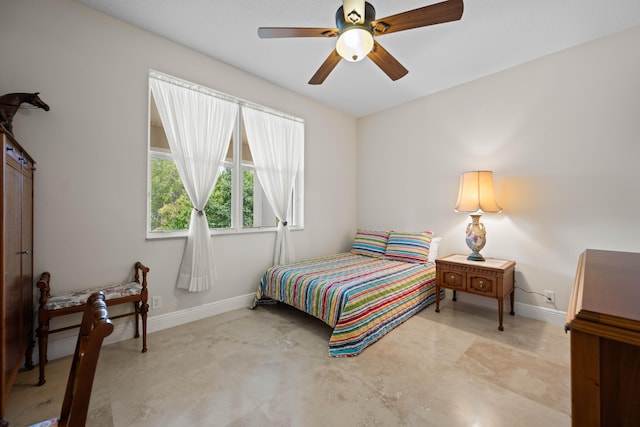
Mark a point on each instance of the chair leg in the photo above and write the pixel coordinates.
(43, 334)
(144, 308)
(28, 357)
(136, 307)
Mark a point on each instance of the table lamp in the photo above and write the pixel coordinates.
(476, 196)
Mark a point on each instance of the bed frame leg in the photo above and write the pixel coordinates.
(255, 303)
(262, 301)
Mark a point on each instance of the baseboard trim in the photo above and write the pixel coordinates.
(60, 345)
(548, 315)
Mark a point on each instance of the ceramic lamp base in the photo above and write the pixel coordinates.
(476, 238)
(475, 256)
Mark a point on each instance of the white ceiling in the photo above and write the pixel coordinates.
(491, 36)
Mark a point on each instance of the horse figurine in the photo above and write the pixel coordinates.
(10, 103)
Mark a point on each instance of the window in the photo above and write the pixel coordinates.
(237, 202)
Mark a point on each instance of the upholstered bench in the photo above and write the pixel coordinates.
(52, 306)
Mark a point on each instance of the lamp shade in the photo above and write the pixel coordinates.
(476, 193)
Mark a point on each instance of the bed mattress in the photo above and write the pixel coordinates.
(360, 297)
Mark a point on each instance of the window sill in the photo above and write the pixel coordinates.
(217, 232)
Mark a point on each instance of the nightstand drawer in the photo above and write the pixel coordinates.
(482, 285)
(453, 279)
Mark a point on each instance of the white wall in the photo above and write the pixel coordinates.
(562, 135)
(91, 152)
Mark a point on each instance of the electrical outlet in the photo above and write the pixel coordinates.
(156, 302)
(550, 297)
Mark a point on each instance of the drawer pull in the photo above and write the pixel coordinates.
(453, 278)
(481, 284)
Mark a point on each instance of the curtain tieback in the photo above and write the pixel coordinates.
(199, 212)
(284, 223)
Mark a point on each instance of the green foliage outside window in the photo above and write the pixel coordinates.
(171, 207)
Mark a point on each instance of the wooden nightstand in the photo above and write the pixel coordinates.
(493, 278)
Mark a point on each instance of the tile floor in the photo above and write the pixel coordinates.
(270, 367)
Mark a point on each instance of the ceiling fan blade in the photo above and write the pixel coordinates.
(278, 32)
(438, 13)
(387, 62)
(327, 66)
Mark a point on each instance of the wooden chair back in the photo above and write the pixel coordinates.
(95, 326)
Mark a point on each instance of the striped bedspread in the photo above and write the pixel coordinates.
(361, 298)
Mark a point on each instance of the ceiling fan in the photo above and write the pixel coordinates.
(356, 28)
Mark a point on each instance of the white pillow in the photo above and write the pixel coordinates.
(433, 248)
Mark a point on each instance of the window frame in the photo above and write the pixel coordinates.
(237, 166)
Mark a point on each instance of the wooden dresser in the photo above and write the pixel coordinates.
(604, 319)
(16, 298)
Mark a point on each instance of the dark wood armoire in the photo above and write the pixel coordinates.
(604, 319)
(16, 252)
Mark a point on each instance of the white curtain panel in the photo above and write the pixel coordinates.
(277, 147)
(198, 128)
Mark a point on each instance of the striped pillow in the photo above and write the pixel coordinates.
(370, 243)
(409, 247)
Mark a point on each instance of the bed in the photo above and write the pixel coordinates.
(386, 278)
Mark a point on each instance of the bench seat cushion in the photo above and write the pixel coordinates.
(79, 298)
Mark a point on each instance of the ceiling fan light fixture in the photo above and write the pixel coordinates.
(354, 43)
